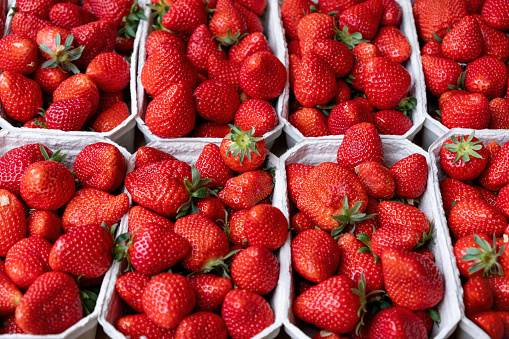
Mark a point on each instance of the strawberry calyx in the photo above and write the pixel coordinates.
(350, 40)
(464, 149)
(56, 156)
(159, 9)
(121, 247)
(132, 21)
(366, 240)
(485, 258)
(195, 189)
(406, 106)
(460, 84)
(243, 143)
(220, 267)
(426, 237)
(434, 315)
(229, 39)
(63, 55)
(363, 299)
(436, 37)
(349, 216)
(88, 297)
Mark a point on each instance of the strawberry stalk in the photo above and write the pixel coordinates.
(243, 143)
(350, 40)
(196, 190)
(220, 267)
(56, 156)
(363, 299)
(132, 21)
(349, 216)
(63, 55)
(464, 149)
(366, 240)
(486, 257)
(406, 106)
(426, 237)
(230, 39)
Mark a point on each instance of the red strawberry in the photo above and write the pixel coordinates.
(477, 296)
(50, 78)
(44, 224)
(291, 13)
(78, 86)
(377, 180)
(391, 213)
(433, 48)
(392, 43)
(130, 288)
(246, 190)
(68, 114)
(110, 72)
(68, 16)
(439, 73)
(93, 206)
(167, 299)
(253, 22)
(262, 76)
(491, 323)
(216, 100)
(171, 114)
(502, 202)
(139, 216)
(18, 54)
(392, 122)
(211, 165)
(327, 6)
(10, 325)
(246, 314)
(487, 75)
(363, 18)
(97, 37)
(225, 70)
(410, 175)
(435, 16)
(266, 226)
(111, 11)
(27, 24)
(394, 237)
(467, 111)
(412, 280)
(359, 137)
(499, 113)
(453, 191)
(210, 291)
(111, 118)
(393, 13)
(139, 326)
(239, 145)
(496, 13)
(200, 325)
(161, 39)
(256, 114)
(21, 97)
(345, 115)
(496, 43)
(296, 175)
(11, 295)
(475, 216)
(255, 269)
(227, 24)
(313, 27)
(256, 6)
(251, 44)
(464, 42)
(38, 8)
(499, 285)
(200, 46)
(397, 322)
(315, 83)
(51, 305)
(300, 223)
(336, 55)
(185, 16)
(147, 155)
(483, 263)
(498, 174)
(463, 159)
(310, 122)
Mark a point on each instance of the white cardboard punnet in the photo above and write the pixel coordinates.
(188, 151)
(314, 152)
(70, 145)
(271, 21)
(123, 134)
(417, 89)
(466, 328)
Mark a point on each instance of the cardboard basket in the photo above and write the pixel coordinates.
(113, 308)
(273, 30)
(417, 88)
(466, 328)
(123, 134)
(314, 152)
(70, 145)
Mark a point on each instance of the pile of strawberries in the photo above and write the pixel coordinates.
(362, 268)
(463, 58)
(56, 238)
(59, 62)
(202, 56)
(345, 64)
(475, 198)
(185, 253)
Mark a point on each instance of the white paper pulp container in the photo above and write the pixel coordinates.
(466, 328)
(417, 88)
(70, 145)
(122, 134)
(273, 30)
(315, 152)
(114, 308)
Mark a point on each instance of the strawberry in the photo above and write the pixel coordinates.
(160, 186)
(156, 248)
(502, 202)
(130, 288)
(106, 100)
(336, 55)
(464, 42)
(225, 70)
(467, 111)
(392, 122)
(463, 159)
(489, 196)
(92, 206)
(97, 37)
(363, 18)
(393, 13)
(412, 280)
(27, 260)
(410, 175)
(251, 44)
(111, 11)
(345, 115)
(391, 213)
(69, 16)
(477, 296)
(49, 78)
(78, 86)
(377, 179)
(313, 27)
(44, 224)
(310, 122)
(14, 163)
(11, 295)
(498, 171)
(447, 95)
(266, 226)
(208, 242)
(483, 263)
(68, 114)
(361, 143)
(394, 237)
(185, 16)
(111, 118)
(392, 43)
(238, 145)
(21, 97)
(110, 72)
(491, 323)
(27, 24)
(496, 43)
(496, 13)
(201, 324)
(161, 39)
(171, 114)
(211, 165)
(300, 223)
(253, 22)
(256, 114)
(18, 54)
(52, 48)
(315, 83)
(246, 190)
(386, 83)
(255, 269)
(499, 113)
(235, 228)
(139, 326)
(487, 75)
(200, 46)
(245, 314)
(433, 48)
(167, 299)
(210, 291)
(38, 8)
(147, 155)
(296, 176)
(216, 100)
(439, 73)
(340, 316)
(48, 184)
(10, 325)
(475, 216)
(499, 286)
(291, 13)
(435, 16)
(453, 191)
(50, 305)
(139, 216)
(397, 322)
(227, 24)
(262, 76)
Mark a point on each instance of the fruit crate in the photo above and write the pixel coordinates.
(273, 30)
(417, 89)
(113, 307)
(70, 145)
(467, 328)
(314, 152)
(122, 134)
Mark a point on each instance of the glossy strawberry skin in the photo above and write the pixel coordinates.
(464, 42)
(315, 83)
(296, 175)
(210, 291)
(78, 86)
(435, 16)
(201, 324)
(477, 296)
(216, 100)
(97, 37)
(200, 47)
(139, 216)
(491, 323)
(68, 16)
(18, 54)
(363, 17)
(466, 111)
(247, 164)
(310, 122)
(138, 326)
(462, 170)
(258, 114)
(460, 247)
(21, 97)
(185, 16)
(146, 155)
(440, 72)
(110, 72)
(45, 224)
(410, 175)
(13, 225)
(49, 78)
(453, 190)
(111, 118)
(130, 288)
(361, 143)
(68, 114)
(212, 166)
(162, 39)
(28, 24)
(291, 13)
(262, 76)
(11, 295)
(397, 322)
